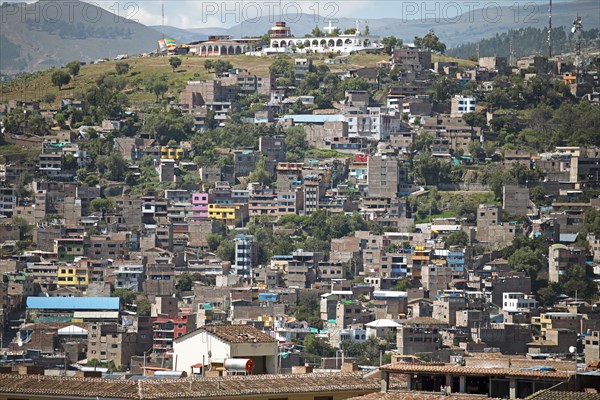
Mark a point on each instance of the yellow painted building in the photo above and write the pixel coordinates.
(73, 276)
(230, 214)
(171, 153)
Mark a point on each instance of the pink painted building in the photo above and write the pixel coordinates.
(200, 205)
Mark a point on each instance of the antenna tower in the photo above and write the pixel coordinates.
(576, 30)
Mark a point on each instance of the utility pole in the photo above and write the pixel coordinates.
(550, 31)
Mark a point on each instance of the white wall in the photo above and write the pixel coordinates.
(189, 350)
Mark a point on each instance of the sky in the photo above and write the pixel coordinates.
(202, 14)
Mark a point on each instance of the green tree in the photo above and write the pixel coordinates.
(389, 43)
(317, 32)
(226, 250)
(527, 260)
(73, 67)
(308, 309)
(357, 83)
(113, 166)
(102, 205)
(576, 282)
(474, 119)
(260, 173)
(221, 66)
(548, 296)
(458, 238)
(175, 62)
(143, 307)
(282, 66)
(23, 225)
(126, 296)
(315, 348)
(442, 89)
(157, 85)
(214, 240)
(208, 65)
(476, 150)
(49, 98)
(185, 282)
(429, 170)
(295, 141)
(172, 125)
(402, 285)
(60, 78)
(122, 68)
(430, 42)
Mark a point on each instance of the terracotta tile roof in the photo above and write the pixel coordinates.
(403, 395)
(61, 386)
(185, 388)
(239, 333)
(457, 370)
(556, 395)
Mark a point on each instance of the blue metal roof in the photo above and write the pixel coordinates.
(73, 303)
(568, 237)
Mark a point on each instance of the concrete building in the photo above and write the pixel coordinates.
(381, 328)
(558, 320)
(461, 105)
(436, 278)
(411, 58)
(213, 345)
(560, 257)
(445, 308)
(516, 302)
(129, 276)
(200, 205)
(515, 200)
(246, 254)
(419, 335)
(111, 342)
(385, 176)
(8, 201)
(592, 348)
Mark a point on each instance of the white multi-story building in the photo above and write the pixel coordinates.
(8, 200)
(129, 276)
(246, 254)
(375, 123)
(462, 105)
(517, 301)
(282, 41)
(285, 331)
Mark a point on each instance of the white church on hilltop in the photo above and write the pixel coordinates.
(282, 41)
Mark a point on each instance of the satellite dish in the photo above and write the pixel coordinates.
(572, 349)
(573, 29)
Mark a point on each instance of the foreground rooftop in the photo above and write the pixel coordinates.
(187, 388)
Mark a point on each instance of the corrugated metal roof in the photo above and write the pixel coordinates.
(73, 303)
(568, 237)
(96, 314)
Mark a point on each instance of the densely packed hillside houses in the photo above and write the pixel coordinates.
(340, 215)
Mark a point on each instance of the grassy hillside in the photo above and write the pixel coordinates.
(35, 86)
